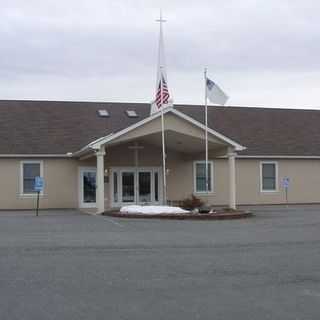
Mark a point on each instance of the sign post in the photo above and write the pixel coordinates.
(285, 184)
(38, 187)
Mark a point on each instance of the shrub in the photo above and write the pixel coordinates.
(229, 210)
(191, 203)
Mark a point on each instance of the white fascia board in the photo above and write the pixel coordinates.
(277, 157)
(21, 155)
(89, 146)
(220, 136)
(93, 143)
(81, 151)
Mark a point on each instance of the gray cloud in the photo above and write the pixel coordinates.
(261, 52)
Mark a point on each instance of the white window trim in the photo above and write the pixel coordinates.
(210, 163)
(22, 194)
(261, 179)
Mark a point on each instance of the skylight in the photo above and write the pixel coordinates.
(131, 114)
(103, 113)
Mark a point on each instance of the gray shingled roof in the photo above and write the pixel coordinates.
(50, 127)
(266, 131)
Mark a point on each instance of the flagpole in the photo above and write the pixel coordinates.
(163, 142)
(206, 125)
(164, 178)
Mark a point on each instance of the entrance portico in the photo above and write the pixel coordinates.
(129, 163)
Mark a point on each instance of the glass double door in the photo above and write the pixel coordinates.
(136, 186)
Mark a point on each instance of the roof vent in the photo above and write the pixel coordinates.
(103, 113)
(132, 114)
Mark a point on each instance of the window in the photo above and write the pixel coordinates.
(30, 170)
(115, 186)
(269, 173)
(156, 186)
(200, 176)
(132, 114)
(103, 113)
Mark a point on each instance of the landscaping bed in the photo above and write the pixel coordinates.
(176, 213)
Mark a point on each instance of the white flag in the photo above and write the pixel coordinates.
(215, 94)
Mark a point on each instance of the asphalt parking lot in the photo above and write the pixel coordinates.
(68, 265)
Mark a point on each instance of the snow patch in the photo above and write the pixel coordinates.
(152, 209)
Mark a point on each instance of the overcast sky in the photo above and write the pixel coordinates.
(262, 53)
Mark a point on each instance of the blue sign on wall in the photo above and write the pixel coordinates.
(38, 184)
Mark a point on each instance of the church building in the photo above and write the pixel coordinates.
(106, 155)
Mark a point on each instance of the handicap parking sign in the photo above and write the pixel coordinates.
(285, 182)
(38, 184)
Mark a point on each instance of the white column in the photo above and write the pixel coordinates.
(100, 180)
(232, 179)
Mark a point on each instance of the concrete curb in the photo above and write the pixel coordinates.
(188, 216)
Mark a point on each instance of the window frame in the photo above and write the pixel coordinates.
(211, 164)
(275, 163)
(22, 163)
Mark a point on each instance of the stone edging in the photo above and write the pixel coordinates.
(188, 216)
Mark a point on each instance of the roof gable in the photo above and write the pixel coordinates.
(149, 125)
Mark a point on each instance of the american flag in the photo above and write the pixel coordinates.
(165, 93)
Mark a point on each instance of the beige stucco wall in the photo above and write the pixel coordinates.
(62, 176)
(61, 190)
(304, 177)
(304, 182)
